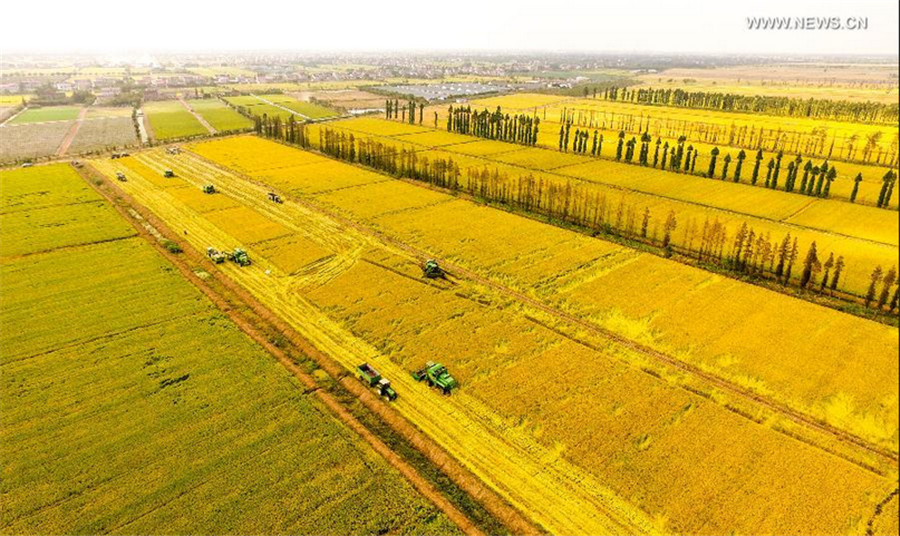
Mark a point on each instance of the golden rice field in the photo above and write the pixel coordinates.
(130, 403)
(665, 123)
(582, 432)
(864, 235)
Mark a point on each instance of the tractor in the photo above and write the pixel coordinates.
(373, 379)
(209, 189)
(121, 176)
(215, 255)
(432, 270)
(168, 174)
(239, 256)
(275, 198)
(436, 375)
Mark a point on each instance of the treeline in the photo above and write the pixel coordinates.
(795, 175)
(745, 252)
(406, 112)
(518, 128)
(869, 148)
(838, 110)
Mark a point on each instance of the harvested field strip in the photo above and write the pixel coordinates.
(863, 247)
(488, 442)
(559, 267)
(515, 470)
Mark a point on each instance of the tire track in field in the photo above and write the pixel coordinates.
(70, 136)
(408, 471)
(888, 456)
(485, 459)
(285, 108)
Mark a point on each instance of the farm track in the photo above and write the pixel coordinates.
(225, 298)
(560, 172)
(285, 108)
(559, 496)
(13, 116)
(887, 456)
(199, 117)
(73, 131)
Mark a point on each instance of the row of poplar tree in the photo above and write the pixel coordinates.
(751, 253)
(838, 110)
(815, 181)
(516, 128)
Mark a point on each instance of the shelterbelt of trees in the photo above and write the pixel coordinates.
(838, 110)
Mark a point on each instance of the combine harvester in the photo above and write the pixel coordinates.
(372, 378)
(275, 198)
(209, 189)
(238, 256)
(215, 255)
(432, 270)
(168, 174)
(121, 176)
(436, 375)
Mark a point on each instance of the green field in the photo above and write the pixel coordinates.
(257, 106)
(52, 113)
(131, 405)
(169, 119)
(308, 109)
(219, 115)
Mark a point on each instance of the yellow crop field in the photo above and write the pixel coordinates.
(138, 411)
(547, 414)
(693, 200)
(246, 224)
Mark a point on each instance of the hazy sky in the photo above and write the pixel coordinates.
(711, 26)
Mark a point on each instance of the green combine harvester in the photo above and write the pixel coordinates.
(168, 174)
(436, 375)
(239, 256)
(373, 379)
(209, 189)
(432, 270)
(121, 176)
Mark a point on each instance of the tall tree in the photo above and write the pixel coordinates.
(740, 163)
(855, 191)
(809, 264)
(838, 270)
(887, 283)
(755, 177)
(874, 279)
(712, 162)
(829, 264)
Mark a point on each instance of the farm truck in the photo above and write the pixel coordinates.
(373, 379)
(215, 255)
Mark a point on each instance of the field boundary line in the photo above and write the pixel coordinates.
(13, 116)
(773, 405)
(443, 462)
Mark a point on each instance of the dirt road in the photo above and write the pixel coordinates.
(70, 136)
(199, 117)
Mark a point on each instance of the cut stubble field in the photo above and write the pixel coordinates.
(527, 375)
(693, 200)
